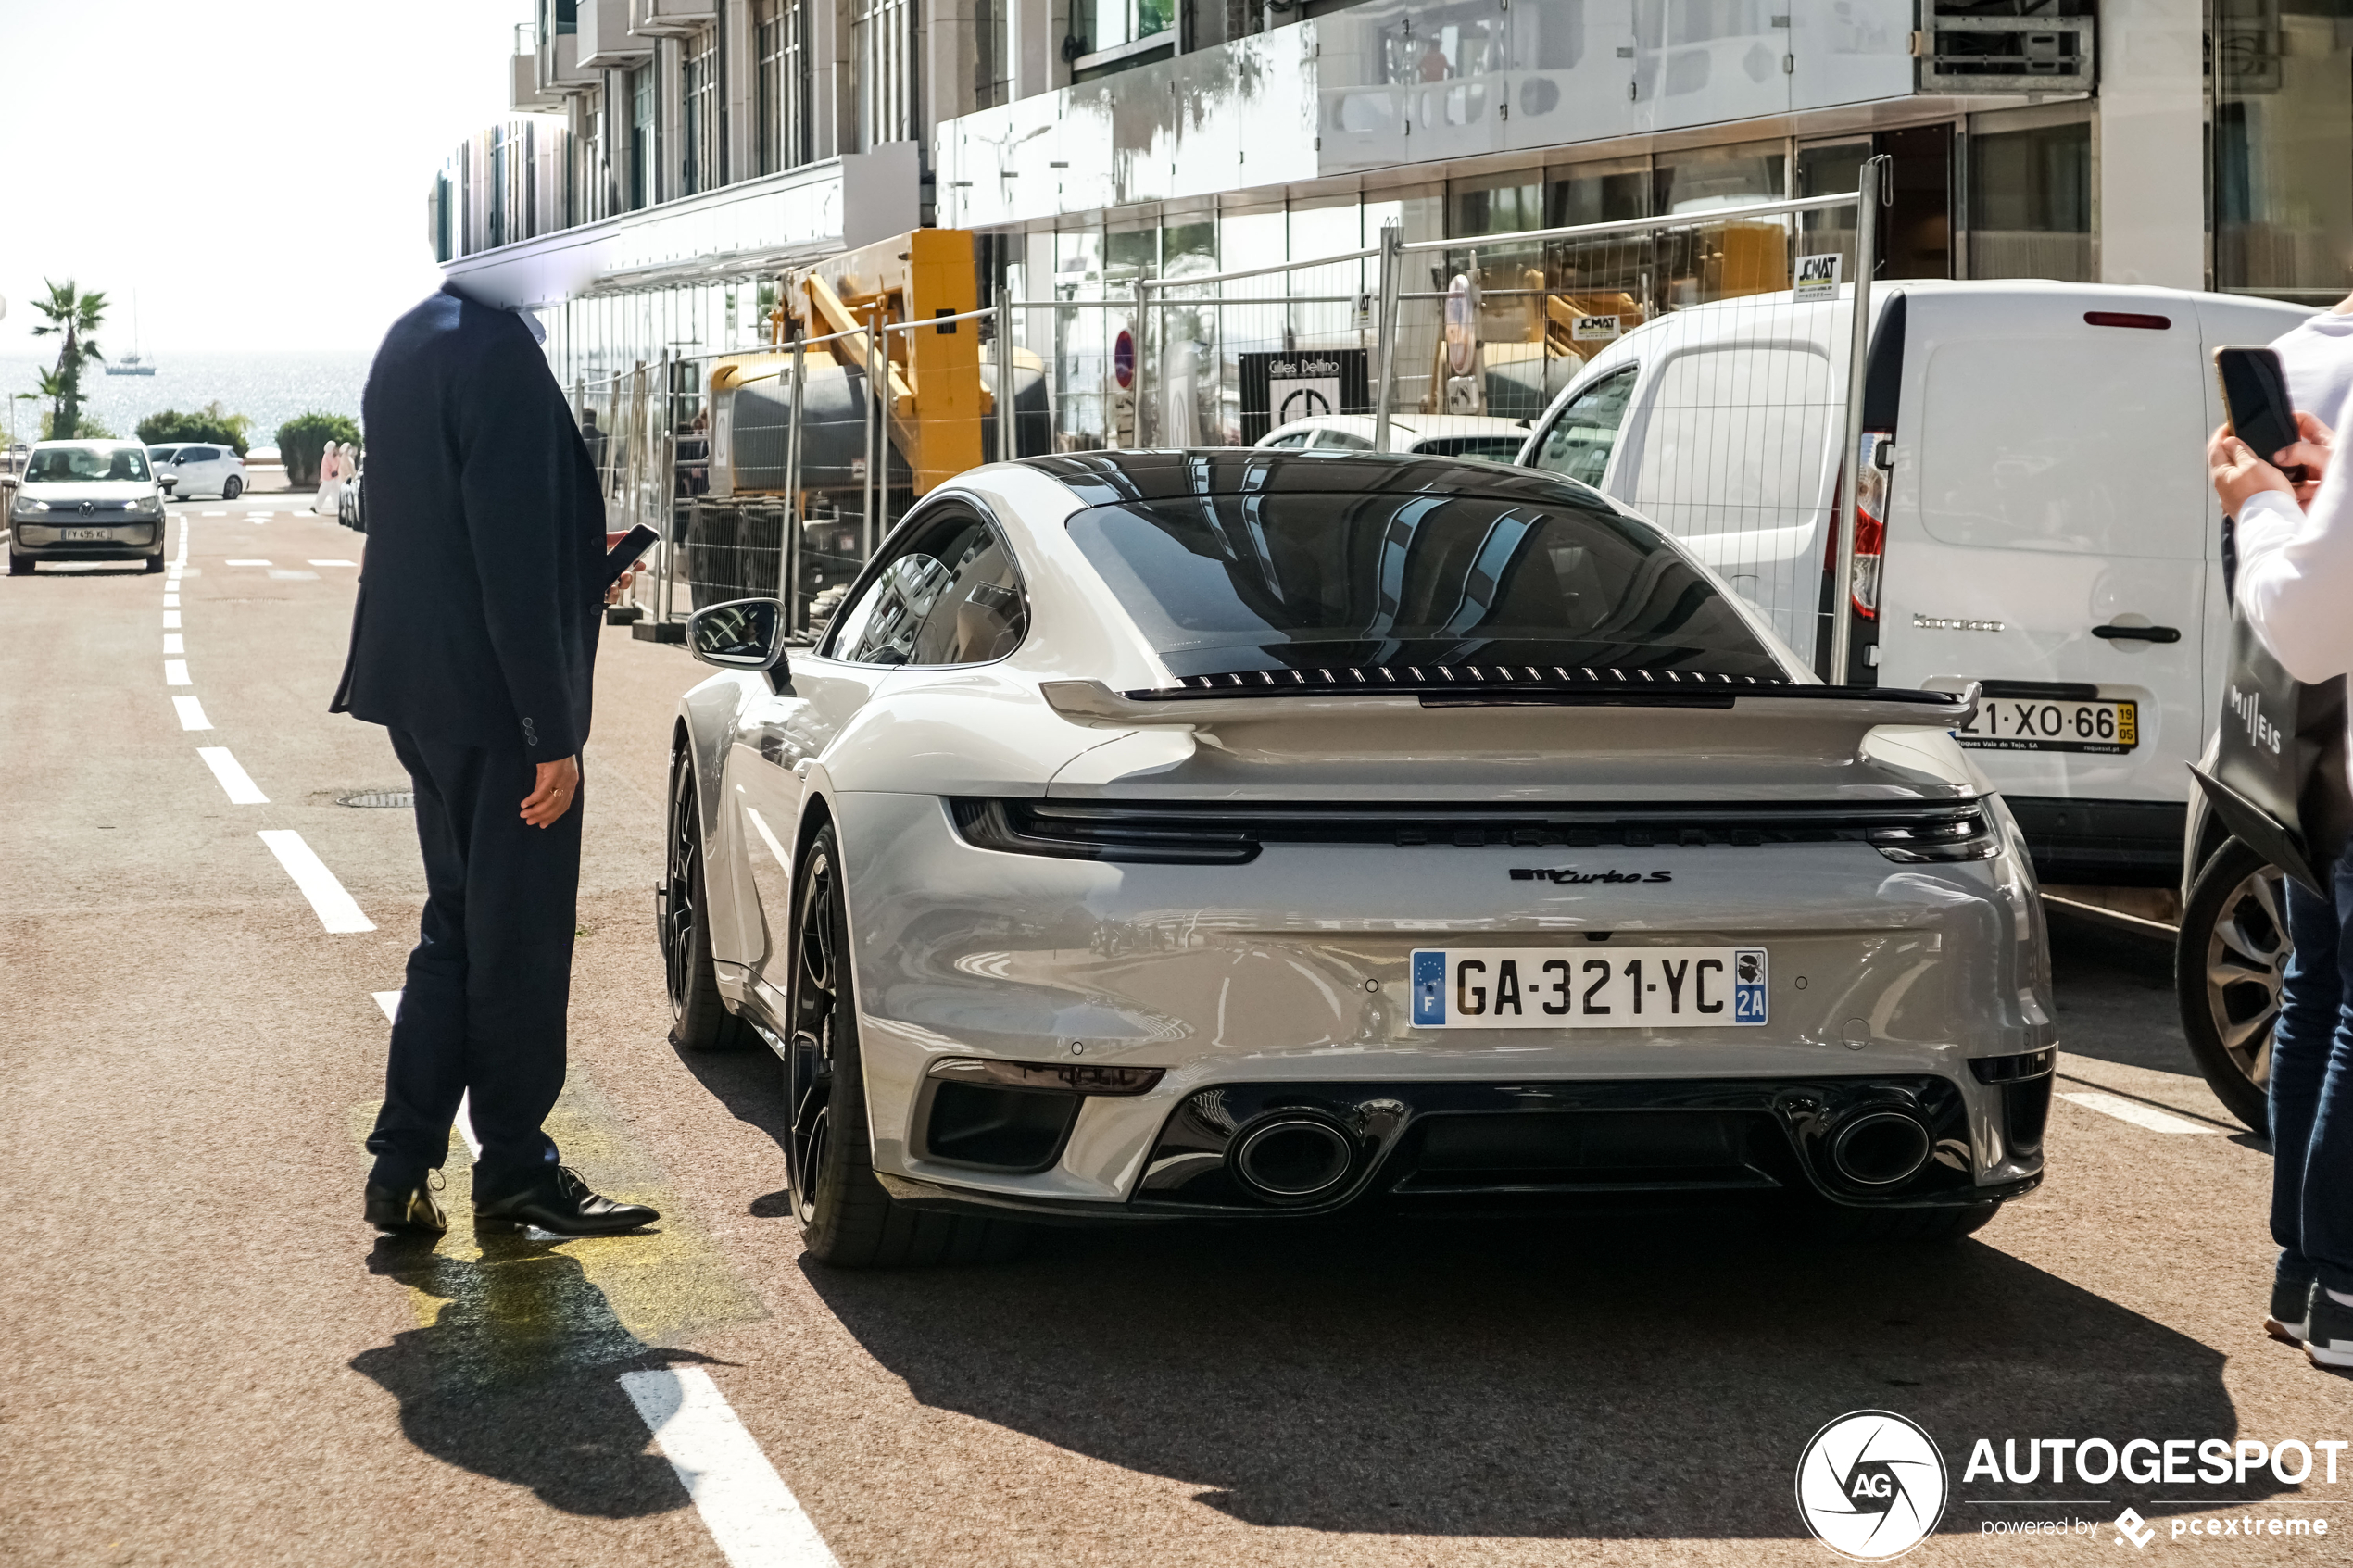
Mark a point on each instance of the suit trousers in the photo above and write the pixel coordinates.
(490, 979)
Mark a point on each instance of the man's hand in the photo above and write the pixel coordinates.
(613, 595)
(2313, 453)
(551, 792)
(2239, 474)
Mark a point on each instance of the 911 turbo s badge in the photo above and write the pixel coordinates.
(1570, 873)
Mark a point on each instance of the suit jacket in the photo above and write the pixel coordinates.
(478, 610)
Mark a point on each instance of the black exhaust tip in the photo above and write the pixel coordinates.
(1881, 1149)
(1290, 1158)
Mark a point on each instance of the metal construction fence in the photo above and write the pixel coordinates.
(778, 471)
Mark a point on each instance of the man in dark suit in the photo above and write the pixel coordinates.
(473, 642)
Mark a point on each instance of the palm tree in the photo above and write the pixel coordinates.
(74, 316)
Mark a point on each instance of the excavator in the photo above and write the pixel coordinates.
(935, 409)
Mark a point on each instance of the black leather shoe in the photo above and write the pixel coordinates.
(405, 1208)
(561, 1202)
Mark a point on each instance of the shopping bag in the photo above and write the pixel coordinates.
(2279, 780)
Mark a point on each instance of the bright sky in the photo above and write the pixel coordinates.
(256, 170)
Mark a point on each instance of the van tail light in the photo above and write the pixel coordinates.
(1871, 523)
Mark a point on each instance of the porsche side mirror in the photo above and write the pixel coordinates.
(741, 635)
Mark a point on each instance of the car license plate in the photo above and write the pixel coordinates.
(2009, 723)
(1588, 988)
(82, 535)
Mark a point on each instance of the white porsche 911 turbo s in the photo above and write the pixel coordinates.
(1250, 834)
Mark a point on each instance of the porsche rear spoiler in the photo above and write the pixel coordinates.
(1847, 708)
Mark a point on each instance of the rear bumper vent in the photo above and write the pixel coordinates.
(1178, 832)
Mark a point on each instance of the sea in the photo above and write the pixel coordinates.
(269, 388)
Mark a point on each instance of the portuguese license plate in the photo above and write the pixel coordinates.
(2009, 723)
(88, 535)
(1588, 988)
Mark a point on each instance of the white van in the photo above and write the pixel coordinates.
(2039, 517)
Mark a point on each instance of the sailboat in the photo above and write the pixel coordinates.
(131, 364)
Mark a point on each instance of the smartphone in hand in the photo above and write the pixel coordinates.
(622, 552)
(2254, 393)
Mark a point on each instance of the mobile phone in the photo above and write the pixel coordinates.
(2254, 392)
(623, 555)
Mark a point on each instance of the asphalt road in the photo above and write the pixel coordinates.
(210, 1359)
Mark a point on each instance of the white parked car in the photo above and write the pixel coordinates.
(1234, 836)
(201, 468)
(2039, 517)
(1431, 435)
(85, 500)
(2039, 521)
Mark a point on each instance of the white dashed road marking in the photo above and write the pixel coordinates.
(171, 601)
(191, 713)
(336, 909)
(2130, 1111)
(175, 672)
(234, 778)
(214, 514)
(751, 1514)
(172, 644)
(335, 563)
(170, 619)
(246, 563)
(282, 576)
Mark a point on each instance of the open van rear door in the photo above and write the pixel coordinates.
(2047, 535)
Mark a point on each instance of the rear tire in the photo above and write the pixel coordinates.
(699, 1017)
(232, 487)
(2229, 961)
(846, 1220)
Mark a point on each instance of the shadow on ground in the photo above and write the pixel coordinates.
(518, 1377)
(1621, 1378)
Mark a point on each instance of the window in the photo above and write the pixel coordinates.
(883, 34)
(2030, 203)
(2283, 176)
(781, 43)
(66, 465)
(1543, 574)
(700, 168)
(951, 597)
(1579, 442)
(641, 138)
(1117, 22)
(1329, 439)
(1290, 442)
(992, 53)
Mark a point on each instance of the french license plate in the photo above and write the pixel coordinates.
(88, 535)
(2007, 723)
(1587, 988)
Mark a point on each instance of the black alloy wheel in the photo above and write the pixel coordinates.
(847, 1219)
(2229, 962)
(699, 1017)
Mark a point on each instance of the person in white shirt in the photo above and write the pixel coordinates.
(2294, 582)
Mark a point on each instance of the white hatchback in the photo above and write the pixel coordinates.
(201, 468)
(1426, 435)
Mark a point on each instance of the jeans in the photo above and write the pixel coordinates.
(490, 979)
(2311, 1089)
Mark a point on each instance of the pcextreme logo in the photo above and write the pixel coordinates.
(1872, 1486)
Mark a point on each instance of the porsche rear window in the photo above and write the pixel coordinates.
(1275, 579)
